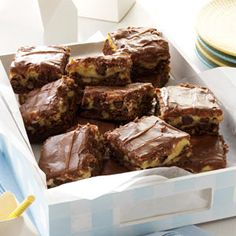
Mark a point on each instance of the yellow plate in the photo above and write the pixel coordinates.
(216, 25)
(211, 57)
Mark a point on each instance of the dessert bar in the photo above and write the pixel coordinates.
(50, 110)
(191, 108)
(72, 156)
(209, 153)
(149, 52)
(111, 70)
(148, 142)
(117, 103)
(34, 67)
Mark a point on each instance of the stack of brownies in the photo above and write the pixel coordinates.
(94, 113)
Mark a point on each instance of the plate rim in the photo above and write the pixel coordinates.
(206, 39)
(216, 52)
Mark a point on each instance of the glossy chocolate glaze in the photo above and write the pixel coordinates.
(34, 67)
(46, 99)
(207, 151)
(50, 110)
(40, 55)
(68, 155)
(145, 139)
(187, 99)
(143, 44)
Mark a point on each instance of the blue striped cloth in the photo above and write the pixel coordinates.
(14, 171)
(7, 179)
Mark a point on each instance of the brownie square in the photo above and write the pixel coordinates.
(209, 153)
(117, 103)
(72, 156)
(110, 70)
(149, 52)
(191, 108)
(50, 110)
(147, 142)
(34, 67)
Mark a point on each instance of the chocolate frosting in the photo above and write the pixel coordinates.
(50, 110)
(52, 56)
(70, 152)
(45, 100)
(146, 138)
(187, 99)
(143, 44)
(207, 151)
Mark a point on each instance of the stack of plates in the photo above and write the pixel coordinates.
(216, 29)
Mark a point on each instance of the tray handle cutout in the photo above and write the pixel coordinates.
(158, 208)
